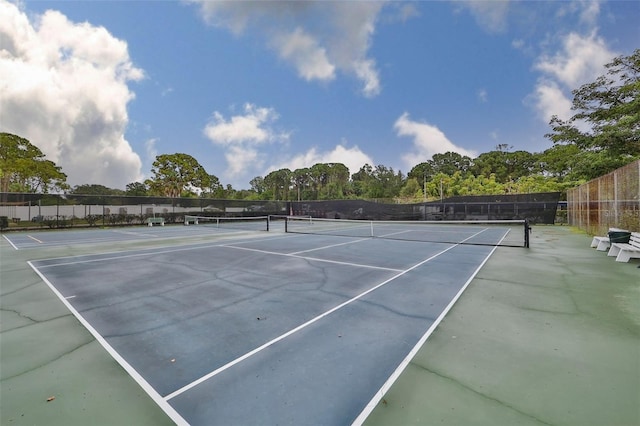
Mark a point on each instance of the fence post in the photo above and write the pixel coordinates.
(615, 197)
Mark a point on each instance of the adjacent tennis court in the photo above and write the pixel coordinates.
(45, 238)
(266, 329)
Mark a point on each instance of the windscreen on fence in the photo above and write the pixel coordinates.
(254, 223)
(535, 208)
(67, 210)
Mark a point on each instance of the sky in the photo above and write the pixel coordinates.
(248, 87)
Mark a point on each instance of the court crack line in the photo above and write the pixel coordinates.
(298, 328)
(20, 314)
(50, 361)
(484, 395)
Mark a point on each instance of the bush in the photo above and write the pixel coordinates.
(93, 219)
(4, 222)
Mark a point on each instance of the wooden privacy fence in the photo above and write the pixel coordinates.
(610, 201)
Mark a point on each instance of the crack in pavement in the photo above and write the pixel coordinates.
(491, 398)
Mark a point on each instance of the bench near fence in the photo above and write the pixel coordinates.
(600, 243)
(603, 243)
(155, 221)
(625, 251)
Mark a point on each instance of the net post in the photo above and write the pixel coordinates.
(527, 230)
(286, 224)
(268, 221)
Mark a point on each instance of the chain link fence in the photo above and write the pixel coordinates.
(27, 210)
(610, 201)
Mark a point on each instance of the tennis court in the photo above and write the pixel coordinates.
(45, 238)
(546, 335)
(265, 328)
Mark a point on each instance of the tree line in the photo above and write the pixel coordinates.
(608, 108)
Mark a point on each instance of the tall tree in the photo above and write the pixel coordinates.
(173, 174)
(412, 191)
(215, 189)
(319, 174)
(422, 172)
(301, 179)
(23, 167)
(279, 183)
(450, 162)
(257, 185)
(136, 189)
(337, 181)
(94, 189)
(378, 182)
(609, 109)
(507, 166)
(361, 180)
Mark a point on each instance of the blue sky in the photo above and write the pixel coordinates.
(102, 87)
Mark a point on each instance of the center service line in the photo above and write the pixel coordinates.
(298, 328)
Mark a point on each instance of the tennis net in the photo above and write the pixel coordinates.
(508, 233)
(256, 223)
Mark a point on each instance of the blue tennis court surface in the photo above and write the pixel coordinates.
(42, 239)
(282, 329)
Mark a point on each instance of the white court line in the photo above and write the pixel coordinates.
(332, 245)
(103, 258)
(135, 253)
(136, 234)
(298, 328)
(162, 403)
(439, 231)
(144, 237)
(315, 258)
(10, 242)
(394, 233)
(35, 239)
(407, 360)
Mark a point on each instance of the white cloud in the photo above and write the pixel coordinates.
(317, 38)
(549, 99)
(353, 158)
(580, 60)
(245, 137)
(407, 11)
(252, 127)
(518, 44)
(303, 51)
(483, 95)
(150, 148)
(427, 140)
(63, 86)
(241, 158)
(490, 15)
(241, 135)
(588, 11)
